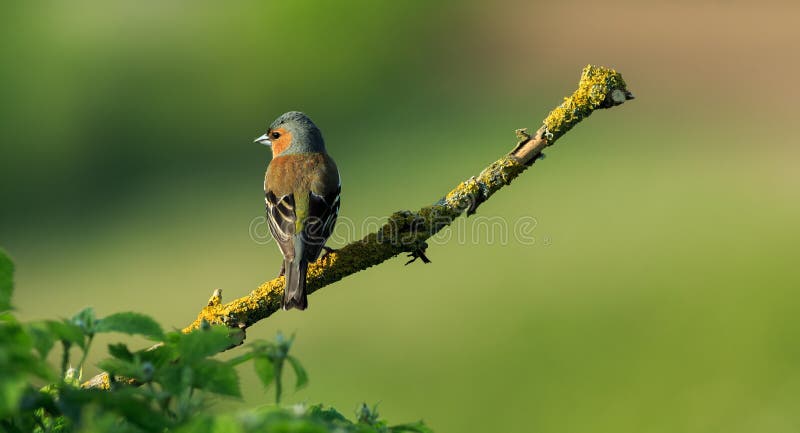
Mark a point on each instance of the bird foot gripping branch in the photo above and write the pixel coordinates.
(419, 253)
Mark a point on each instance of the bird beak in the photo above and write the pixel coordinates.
(264, 139)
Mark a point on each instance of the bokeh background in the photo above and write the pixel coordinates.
(659, 295)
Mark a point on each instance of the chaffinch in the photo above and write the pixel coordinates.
(301, 190)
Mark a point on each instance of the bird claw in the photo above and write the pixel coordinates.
(419, 253)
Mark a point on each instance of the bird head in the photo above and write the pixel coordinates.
(292, 132)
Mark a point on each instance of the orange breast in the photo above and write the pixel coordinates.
(301, 172)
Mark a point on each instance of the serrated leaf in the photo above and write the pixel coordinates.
(120, 351)
(130, 323)
(264, 370)
(6, 281)
(42, 338)
(217, 377)
(119, 367)
(67, 331)
(299, 372)
(173, 378)
(126, 402)
(329, 415)
(203, 343)
(85, 320)
(158, 356)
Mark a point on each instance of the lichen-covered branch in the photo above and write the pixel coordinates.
(406, 232)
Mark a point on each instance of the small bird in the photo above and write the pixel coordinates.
(301, 189)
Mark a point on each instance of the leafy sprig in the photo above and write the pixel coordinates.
(167, 388)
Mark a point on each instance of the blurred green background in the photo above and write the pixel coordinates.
(660, 294)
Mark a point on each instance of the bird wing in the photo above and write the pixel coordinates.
(281, 220)
(323, 211)
(316, 227)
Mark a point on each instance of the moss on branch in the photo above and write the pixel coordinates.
(406, 232)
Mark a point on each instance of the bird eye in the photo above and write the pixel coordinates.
(275, 135)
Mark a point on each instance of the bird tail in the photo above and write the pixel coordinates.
(294, 293)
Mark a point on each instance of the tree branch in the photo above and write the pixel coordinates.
(405, 231)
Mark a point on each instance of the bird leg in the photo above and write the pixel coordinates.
(419, 253)
(283, 269)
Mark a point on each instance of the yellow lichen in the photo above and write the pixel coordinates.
(595, 84)
(105, 381)
(407, 231)
(316, 269)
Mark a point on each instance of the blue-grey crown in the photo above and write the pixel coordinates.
(306, 137)
(296, 117)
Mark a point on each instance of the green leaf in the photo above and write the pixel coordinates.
(67, 331)
(11, 390)
(205, 423)
(43, 338)
(119, 367)
(130, 323)
(329, 415)
(230, 424)
(416, 427)
(202, 343)
(174, 378)
(159, 356)
(264, 370)
(85, 320)
(217, 377)
(126, 402)
(299, 372)
(241, 359)
(201, 423)
(120, 351)
(17, 364)
(6, 281)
